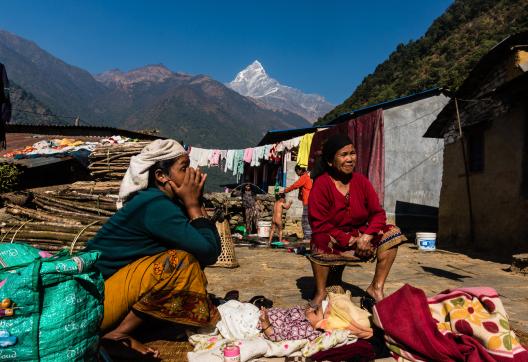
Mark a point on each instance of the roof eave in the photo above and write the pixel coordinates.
(389, 104)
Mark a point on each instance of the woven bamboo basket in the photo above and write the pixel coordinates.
(227, 258)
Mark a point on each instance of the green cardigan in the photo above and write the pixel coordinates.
(148, 224)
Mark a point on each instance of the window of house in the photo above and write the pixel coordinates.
(475, 146)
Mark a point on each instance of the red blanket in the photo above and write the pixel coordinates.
(413, 334)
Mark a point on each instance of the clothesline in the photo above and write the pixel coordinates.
(253, 156)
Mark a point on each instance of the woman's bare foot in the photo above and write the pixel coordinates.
(376, 293)
(132, 343)
(317, 300)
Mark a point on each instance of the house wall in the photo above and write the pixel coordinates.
(295, 211)
(500, 211)
(413, 164)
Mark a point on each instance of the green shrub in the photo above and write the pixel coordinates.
(9, 177)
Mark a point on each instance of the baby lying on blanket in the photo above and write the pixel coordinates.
(279, 332)
(338, 312)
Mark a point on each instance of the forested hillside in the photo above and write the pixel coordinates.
(27, 109)
(443, 56)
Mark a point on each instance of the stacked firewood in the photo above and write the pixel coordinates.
(56, 220)
(109, 188)
(233, 209)
(49, 236)
(110, 162)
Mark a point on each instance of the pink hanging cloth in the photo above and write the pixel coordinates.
(366, 132)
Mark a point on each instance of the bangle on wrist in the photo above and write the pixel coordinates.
(264, 329)
(198, 217)
(313, 305)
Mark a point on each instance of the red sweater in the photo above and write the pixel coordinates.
(305, 184)
(331, 215)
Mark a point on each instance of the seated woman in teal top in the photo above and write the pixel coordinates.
(154, 248)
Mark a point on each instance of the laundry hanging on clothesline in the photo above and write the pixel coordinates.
(234, 160)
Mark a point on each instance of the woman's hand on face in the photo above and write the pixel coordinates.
(364, 248)
(190, 190)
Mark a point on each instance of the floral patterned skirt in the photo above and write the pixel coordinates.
(169, 286)
(335, 255)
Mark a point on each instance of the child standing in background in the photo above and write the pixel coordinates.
(276, 224)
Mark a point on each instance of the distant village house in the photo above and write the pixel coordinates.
(484, 198)
(404, 167)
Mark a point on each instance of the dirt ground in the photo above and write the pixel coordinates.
(286, 278)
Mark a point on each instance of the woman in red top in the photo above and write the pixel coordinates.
(348, 222)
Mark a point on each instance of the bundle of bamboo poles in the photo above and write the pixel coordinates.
(110, 162)
(49, 236)
(96, 187)
(71, 205)
(60, 219)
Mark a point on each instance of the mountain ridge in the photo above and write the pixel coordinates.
(195, 108)
(155, 73)
(34, 70)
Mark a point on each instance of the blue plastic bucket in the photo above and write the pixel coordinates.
(426, 241)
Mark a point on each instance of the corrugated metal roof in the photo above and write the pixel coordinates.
(278, 135)
(78, 131)
(35, 162)
(388, 104)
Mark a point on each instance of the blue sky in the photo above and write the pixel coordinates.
(325, 47)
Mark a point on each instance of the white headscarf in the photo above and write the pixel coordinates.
(137, 174)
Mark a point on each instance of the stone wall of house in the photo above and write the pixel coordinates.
(296, 210)
(499, 207)
(294, 214)
(235, 213)
(232, 206)
(413, 164)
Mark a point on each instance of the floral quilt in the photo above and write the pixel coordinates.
(464, 324)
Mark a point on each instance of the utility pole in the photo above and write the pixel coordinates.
(466, 173)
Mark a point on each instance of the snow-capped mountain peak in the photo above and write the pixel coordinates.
(255, 69)
(254, 82)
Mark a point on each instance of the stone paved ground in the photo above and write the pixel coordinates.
(286, 278)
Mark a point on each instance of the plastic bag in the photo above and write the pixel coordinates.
(58, 304)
